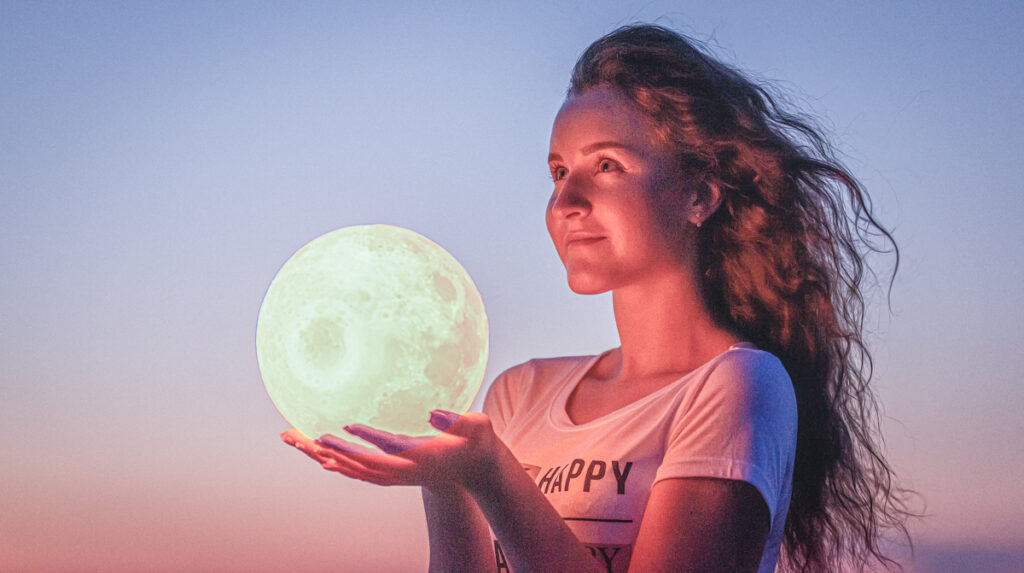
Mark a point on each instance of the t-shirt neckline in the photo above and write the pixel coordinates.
(559, 416)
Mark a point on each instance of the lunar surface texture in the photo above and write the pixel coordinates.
(372, 325)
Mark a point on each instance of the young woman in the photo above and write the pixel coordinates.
(734, 424)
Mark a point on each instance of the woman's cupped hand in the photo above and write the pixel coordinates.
(457, 456)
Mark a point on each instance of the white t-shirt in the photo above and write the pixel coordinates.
(733, 418)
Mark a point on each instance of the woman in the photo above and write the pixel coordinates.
(734, 423)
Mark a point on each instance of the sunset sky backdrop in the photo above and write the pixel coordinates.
(159, 161)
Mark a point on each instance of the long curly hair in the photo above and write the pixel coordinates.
(782, 262)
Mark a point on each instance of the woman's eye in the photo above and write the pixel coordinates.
(558, 173)
(607, 165)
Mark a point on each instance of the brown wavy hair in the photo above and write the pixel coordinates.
(783, 264)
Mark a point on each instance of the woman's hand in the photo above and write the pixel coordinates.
(466, 446)
(472, 480)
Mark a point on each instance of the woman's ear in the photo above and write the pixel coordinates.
(705, 203)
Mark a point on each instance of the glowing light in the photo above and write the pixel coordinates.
(371, 324)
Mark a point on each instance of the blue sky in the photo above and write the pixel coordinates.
(161, 160)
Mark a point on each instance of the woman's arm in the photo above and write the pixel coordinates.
(690, 523)
(532, 535)
(702, 524)
(459, 539)
(466, 463)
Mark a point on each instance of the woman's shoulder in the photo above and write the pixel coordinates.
(752, 378)
(536, 366)
(746, 361)
(542, 371)
(526, 385)
(742, 402)
(748, 375)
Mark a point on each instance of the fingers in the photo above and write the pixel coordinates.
(332, 441)
(291, 436)
(340, 463)
(442, 419)
(357, 471)
(353, 460)
(377, 468)
(387, 442)
(305, 445)
(460, 425)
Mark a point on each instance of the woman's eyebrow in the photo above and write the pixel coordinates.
(595, 147)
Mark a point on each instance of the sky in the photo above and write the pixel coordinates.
(159, 161)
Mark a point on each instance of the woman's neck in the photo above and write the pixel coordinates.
(665, 328)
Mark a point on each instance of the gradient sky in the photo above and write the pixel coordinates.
(159, 161)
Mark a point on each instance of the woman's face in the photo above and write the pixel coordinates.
(607, 166)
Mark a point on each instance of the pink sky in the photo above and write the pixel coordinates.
(161, 161)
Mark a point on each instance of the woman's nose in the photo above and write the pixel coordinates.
(569, 198)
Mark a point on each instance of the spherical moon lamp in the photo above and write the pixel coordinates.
(374, 325)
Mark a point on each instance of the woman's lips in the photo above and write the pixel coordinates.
(581, 240)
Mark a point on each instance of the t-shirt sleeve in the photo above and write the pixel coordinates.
(499, 402)
(738, 422)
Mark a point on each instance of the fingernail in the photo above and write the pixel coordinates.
(441, 419)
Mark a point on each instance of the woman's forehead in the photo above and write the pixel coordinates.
(600, 113)
(595, 103)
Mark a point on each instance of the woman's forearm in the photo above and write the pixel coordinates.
(532, 535)
(459, 539)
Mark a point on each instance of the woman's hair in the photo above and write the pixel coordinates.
(782, 262)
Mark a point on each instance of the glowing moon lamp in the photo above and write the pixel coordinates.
(373, 325)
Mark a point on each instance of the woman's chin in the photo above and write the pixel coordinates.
(587, 285)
